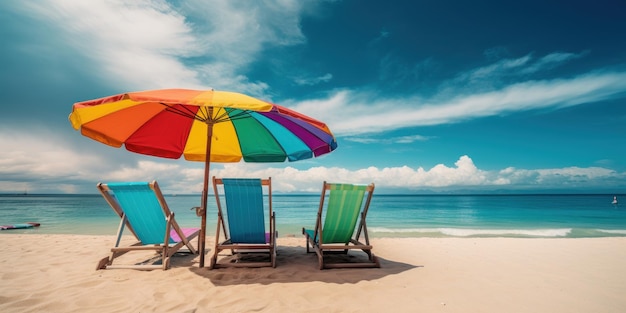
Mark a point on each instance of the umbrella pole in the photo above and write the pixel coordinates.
(205, 189)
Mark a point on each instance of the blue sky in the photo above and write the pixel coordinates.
(423, 96)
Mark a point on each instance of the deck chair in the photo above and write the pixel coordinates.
(144, 212)
(339, 217)
(242, 222)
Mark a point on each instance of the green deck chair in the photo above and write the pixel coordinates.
(242, 221)
(143, 210)
(337, 235)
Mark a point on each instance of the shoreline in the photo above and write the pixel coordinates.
(56, 273)
(289, 231)
(395, 216)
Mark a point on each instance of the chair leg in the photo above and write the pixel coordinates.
(376, 260)
(308, 240)
(102, 264)
(213, 263)
(273, 256)
(320, 259)
(198, 249)
(166, 262)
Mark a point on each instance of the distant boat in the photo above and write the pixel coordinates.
(19, 226)
(614, 200)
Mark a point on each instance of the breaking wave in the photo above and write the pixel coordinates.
(464, 232)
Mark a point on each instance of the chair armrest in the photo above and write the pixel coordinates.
(199, 210)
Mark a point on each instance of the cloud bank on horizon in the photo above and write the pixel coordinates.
(154, 44)
(25, 169)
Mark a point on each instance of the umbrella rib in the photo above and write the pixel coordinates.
(241, 114)
(223, 114)
(184, 112)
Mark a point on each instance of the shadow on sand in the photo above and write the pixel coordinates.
(295, 265)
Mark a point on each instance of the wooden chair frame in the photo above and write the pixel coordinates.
(243, 248)
(320, 248)
(165, 249)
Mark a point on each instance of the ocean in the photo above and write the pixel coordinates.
(541, 216)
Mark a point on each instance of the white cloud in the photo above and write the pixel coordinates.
(516, 67)
(552, 60)
(393, 140)
(349, 112)
(569, 176)
(43, 164)
(151, 44)
(309, 81)
(137, 44)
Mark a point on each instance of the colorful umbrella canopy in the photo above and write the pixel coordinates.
(227, 126)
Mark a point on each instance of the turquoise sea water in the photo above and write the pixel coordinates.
(389, 215)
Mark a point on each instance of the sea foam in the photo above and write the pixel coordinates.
(465, 232)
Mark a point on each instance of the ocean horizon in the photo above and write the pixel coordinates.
(390, 215)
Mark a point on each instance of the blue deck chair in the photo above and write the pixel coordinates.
(339, 216)
(242, 221)
(143, 210)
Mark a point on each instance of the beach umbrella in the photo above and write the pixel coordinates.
(227, 126)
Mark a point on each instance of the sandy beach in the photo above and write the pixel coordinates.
(56, 273)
